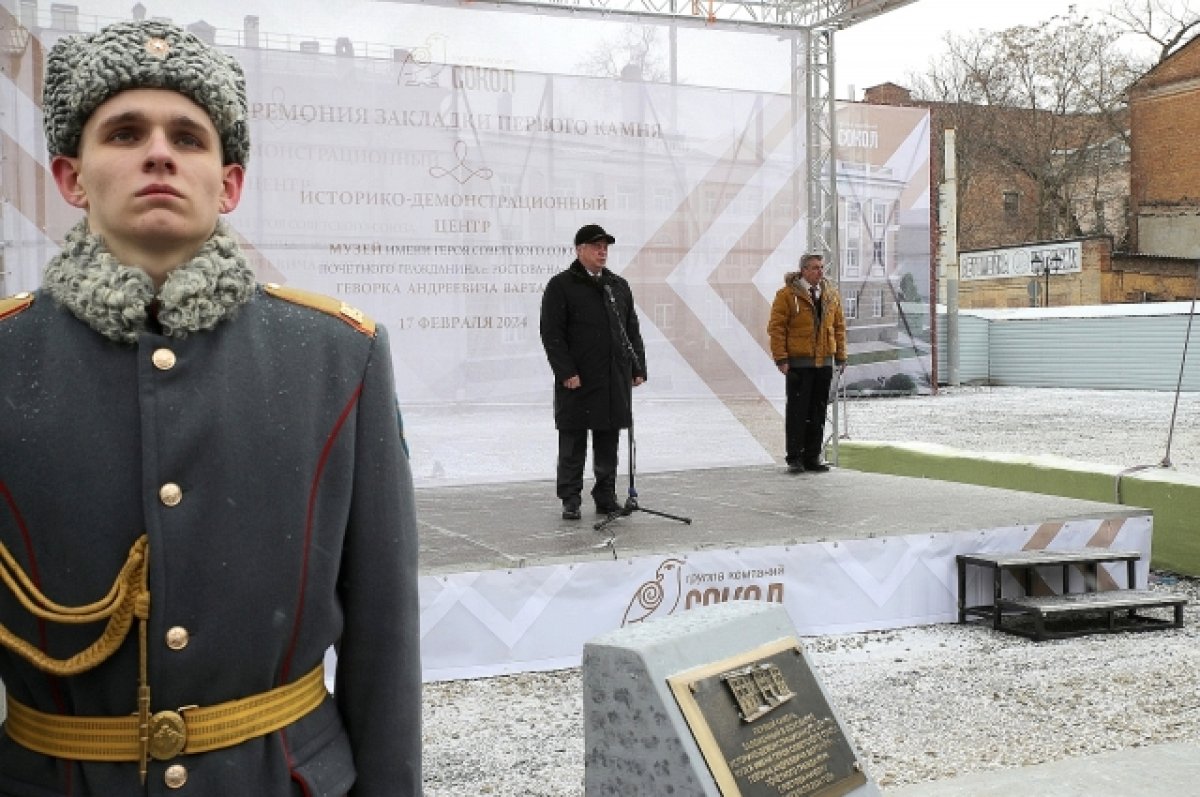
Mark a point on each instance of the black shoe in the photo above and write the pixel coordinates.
(571, 512)
(816, 467)
(608, 507)
(795, 467)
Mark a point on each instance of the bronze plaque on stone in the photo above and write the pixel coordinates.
(764, 726)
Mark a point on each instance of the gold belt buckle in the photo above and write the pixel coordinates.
(168, 734)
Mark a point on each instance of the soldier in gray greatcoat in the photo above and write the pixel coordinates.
(203, 480)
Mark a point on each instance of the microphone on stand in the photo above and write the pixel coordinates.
(625, 341)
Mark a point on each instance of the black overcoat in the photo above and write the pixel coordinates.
(588, 325)
(295, 531)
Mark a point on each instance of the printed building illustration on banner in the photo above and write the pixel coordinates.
(883, 225)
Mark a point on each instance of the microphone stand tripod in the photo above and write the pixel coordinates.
(631, 503)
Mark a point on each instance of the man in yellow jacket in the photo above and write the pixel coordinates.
(808, 338)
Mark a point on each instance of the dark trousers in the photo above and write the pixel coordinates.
(804, 419)
(572, 452)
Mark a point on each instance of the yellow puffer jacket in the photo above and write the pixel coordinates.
(795, 338)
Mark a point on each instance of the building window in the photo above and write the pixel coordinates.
(853, 209)
(878, 254)
(850, 261)
(626, 197)
(880, 213)
(1012, 203)
(850, 307)
(877, 304)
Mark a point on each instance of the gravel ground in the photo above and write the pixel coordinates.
(920, 704)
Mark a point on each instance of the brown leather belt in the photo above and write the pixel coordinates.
(170, 733)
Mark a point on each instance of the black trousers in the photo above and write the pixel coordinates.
(572, 452)
(804, 418)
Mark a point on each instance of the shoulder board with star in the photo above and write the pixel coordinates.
(12, 305)
(351, 315)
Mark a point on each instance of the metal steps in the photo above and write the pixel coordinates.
(1075, 614)
(1067, 614)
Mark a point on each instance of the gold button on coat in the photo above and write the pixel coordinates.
(163, 359)
(170, 494)
(177, 637)
(175, 776)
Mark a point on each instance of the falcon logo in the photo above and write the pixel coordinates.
(657, 597)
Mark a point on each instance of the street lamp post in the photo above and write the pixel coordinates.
(1050, 264)
(1036, 261)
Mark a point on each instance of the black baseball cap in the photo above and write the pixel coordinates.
(590, 233)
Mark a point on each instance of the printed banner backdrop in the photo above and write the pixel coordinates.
(475, 625)
(439, 198)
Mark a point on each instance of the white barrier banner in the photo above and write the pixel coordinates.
(538, 618)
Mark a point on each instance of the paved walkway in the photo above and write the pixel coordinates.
(1166, 770)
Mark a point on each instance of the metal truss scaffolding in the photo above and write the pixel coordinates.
(815, 22)
(775, 15)
(820, 134)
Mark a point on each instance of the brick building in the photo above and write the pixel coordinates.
(1040, 274)
(1001, 205)
(1127, 220)
(1164, 108)
(1069, 272)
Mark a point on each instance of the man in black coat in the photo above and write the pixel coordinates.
(203, 480)
(590, 332)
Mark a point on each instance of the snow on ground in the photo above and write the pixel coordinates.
(1114, 427)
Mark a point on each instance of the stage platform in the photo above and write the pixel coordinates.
(508, 586)
(517, 524)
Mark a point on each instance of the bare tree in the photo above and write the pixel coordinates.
(1170, 24)
(635, 54)
(1036, 109)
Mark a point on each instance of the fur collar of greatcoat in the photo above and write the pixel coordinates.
(115, 299)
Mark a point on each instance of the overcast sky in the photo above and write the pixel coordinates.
(887, 48)
(895, 44)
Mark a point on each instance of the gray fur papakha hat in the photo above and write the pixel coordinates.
(84, 70)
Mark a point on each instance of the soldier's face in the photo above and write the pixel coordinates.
(149, 173)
